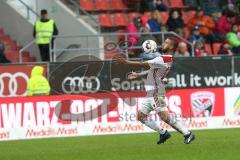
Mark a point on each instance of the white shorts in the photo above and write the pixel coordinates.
(156, 103)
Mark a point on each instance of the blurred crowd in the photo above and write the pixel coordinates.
(214, 21)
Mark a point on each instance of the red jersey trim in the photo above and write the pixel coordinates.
(167, 58)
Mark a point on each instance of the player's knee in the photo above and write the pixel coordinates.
(164, 116)
(141, 117)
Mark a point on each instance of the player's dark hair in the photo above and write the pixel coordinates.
(174, 42)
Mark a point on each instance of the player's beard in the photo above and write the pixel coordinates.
(164, 50)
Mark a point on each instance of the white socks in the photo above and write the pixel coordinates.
(153, 125)
(176, 124)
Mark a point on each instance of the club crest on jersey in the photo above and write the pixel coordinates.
(202, 103)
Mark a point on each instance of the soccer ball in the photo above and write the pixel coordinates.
(149, 46)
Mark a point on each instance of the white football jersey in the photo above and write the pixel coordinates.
(159, 68)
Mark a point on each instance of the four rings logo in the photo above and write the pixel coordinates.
(10, 83)
(76, 85)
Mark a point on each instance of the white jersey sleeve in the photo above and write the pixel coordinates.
(157, 62)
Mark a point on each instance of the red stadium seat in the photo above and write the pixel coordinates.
(148, 15)
(120, 19)
(26, 54)
(26, 59)
(10, 43)
(117, 5)
(12, 54)
(216, 47)
(12, 49)
(87, 5)
(176, 4)
(4, 37)
(132, 15)
(164, 17)
(29, 59)
(185, 17)
(105, 20)
(102, 5)
(33, 59)
(208, 49)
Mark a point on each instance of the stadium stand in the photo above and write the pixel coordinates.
(216, 47)
(176, 4)
(102, 5)
(120, 19)
(208, 49)
(12, 49)
(132, 15)
(164, 16)
(87, 5)
(105, 20)
(114, 14)
(118, 5)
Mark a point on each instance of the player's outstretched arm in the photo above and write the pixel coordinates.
(122, 60)
(135, 75)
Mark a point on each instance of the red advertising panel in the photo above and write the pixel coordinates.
(105, 113)
(105, 107)
(14, 78)
(197, 102)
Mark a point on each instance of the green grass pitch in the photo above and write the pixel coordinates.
(209, 145)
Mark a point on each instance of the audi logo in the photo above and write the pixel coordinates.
(76, 85)
(13, 83)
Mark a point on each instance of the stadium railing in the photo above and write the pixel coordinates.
(86, 47)
(29, 13)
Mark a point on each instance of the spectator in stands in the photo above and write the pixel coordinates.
(199, 49)
(38, 84)
(3, 59)
(145, 28)
(224, 3)
(147, 5)
(134, 27)
(210, 7)
(237, 4)
(134, 5)
(192, 3)
(175, 20)
(196, 35)
(228, 5)
(233, 40)
(181, 33)
(182, 50)
(225, 23)
(155, 22)
(205, 23)
(160, 6)
(225, 49)
(43, 31)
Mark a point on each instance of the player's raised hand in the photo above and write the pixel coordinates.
(132, 75)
